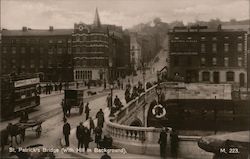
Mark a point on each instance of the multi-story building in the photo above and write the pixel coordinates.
(87, 52)
(199, 54)
(44, 51)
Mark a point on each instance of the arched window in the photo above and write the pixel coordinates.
(205, 76)
(230, 76)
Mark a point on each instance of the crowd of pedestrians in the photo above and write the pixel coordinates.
(50, 87)
(132, 93)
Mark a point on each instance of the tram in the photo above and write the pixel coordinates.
(18, 93)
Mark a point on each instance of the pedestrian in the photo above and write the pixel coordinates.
(79, 135)
(100, 118)
(60, 87)
(81, 108)
(98, 136)
(63, 105)
(108, 100)
(66, 132)
(105, 156)
(46, 88)
(91, 125)
(174, 143)
(87, 138)
(87, 110)
(163, 143)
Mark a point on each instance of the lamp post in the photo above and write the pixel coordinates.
(111, 92)
(158, 92)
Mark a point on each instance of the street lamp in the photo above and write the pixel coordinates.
(158, 77)
(158, 92)
(111, 92)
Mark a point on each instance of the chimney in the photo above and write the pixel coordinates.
(219, 27)
(51, 28)
(25, 28)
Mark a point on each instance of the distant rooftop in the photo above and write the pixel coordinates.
(198, 28)
(37, 32)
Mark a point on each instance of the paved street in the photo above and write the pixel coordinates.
(52, 127)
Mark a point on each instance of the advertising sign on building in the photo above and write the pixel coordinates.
(26, 82)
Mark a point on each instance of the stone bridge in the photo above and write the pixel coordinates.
(129, 126)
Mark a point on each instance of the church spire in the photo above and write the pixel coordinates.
(97, 22)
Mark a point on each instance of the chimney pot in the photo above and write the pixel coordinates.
(25, 28)
(51, 28)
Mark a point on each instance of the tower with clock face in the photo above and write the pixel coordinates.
(81, 28)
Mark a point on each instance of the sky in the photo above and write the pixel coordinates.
(40, 14)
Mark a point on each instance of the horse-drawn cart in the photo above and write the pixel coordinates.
(18, 130)
(74, 99)
(31, 125)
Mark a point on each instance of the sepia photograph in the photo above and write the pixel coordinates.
(125, 79)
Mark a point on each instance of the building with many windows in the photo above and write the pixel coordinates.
(44, 51)
(87, 52)
(199, 54)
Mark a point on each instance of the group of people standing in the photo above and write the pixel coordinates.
(174, 139)
(83, 133)
(136, 91)
(49, 87)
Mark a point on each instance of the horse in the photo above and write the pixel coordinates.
(15, 131)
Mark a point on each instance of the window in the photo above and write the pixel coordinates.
(230, 76)
(226, 61)
(214, 47)
(176, 38)
(4, 50)
(189, 38)
(226, 37)
(50, 63)
(176, 61)
(189, 61)
(239, 47)
(239, 61)
(203, 38)
(78, 49)
(50, 50)
(226, 47)
(214, 38)
(32, 63)
(77, 38)
(50, 41)
(41, 50)
(41, 63)
(203, 61)
(23, 64)
(59, 50)
(13, 50)
(214, 61)
(69, 50)
(32, 50)
(205, 76)
(23, 50)
(203, 48)
(59, 41)
(239, 37)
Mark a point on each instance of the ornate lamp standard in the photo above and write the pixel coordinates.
(111, 92)
(158, 92)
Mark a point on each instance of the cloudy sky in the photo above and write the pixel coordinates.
(64, 13)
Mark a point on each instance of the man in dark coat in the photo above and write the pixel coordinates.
(163, 143)
(87, 110)
(100, 118)
(66, 132)
(98, 136)
(79, 135)
(87, 138)
(174, 139)
(91, 125)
